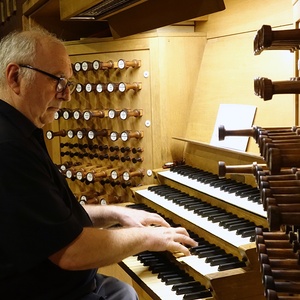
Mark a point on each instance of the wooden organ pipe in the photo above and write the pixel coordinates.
(288, 174)
(273, 295)
(97, 133)
(282, 145)
(129, 134)
(95, 113)
(265, 88)
(276, 158)
(111, 87)
(81, 173)
(114, 113)
(123, 64)
(124, 87)
(51, 134)
(251, 132)
(240, 169)
(268, 39)
(133, 150)
(125, 113)
(90, 197)
(280, 215)
(98, 174)
(77, 114)
(280, 262)
(114, 148)
(127, 175)
(94, 87)
(100, 65)
(67, 113)
(255, 132)
(92, 66)
(79, 88)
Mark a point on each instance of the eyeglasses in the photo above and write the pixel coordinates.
(62, 83)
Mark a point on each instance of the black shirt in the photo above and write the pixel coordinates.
(39, 215)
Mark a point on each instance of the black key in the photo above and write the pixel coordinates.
(228, 266)
(178, 279)
(190, 289)
(177, 286)
(197, 295)
(224, 260)
(214, 257)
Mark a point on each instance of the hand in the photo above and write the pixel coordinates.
(108, 215)
(139, 218)
(170, 239)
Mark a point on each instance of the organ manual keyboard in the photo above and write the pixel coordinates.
(220, 213)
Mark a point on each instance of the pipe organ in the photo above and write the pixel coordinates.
(121, 141)
(113, 140)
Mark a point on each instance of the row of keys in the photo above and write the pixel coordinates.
(92, 134)
(97, 65)
(108, 87)
(87, 115)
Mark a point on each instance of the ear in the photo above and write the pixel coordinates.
(12, 76)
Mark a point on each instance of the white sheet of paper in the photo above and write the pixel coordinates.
(233, 116)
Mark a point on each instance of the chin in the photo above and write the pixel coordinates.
(47, 119)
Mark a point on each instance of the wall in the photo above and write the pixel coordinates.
(229, 67)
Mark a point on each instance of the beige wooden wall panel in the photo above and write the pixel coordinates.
(228, 69)
(247, 15)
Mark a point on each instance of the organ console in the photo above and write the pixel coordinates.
(224, 207)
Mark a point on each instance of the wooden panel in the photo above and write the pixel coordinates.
(230, 81)
(247, 15)
(296, 11)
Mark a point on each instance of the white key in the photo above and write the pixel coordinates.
(216, 192)
(214, 228)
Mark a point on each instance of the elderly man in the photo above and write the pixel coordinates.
(50, 246)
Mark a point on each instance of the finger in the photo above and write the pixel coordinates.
(187, 241)
(156, 220)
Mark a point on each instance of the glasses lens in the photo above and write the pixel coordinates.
(63, 84)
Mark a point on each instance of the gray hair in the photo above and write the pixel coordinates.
(20, 48)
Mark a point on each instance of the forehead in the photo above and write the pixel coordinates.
(53, 56)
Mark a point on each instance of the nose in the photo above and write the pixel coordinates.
(65, 95)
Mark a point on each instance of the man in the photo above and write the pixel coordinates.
(50, 246)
